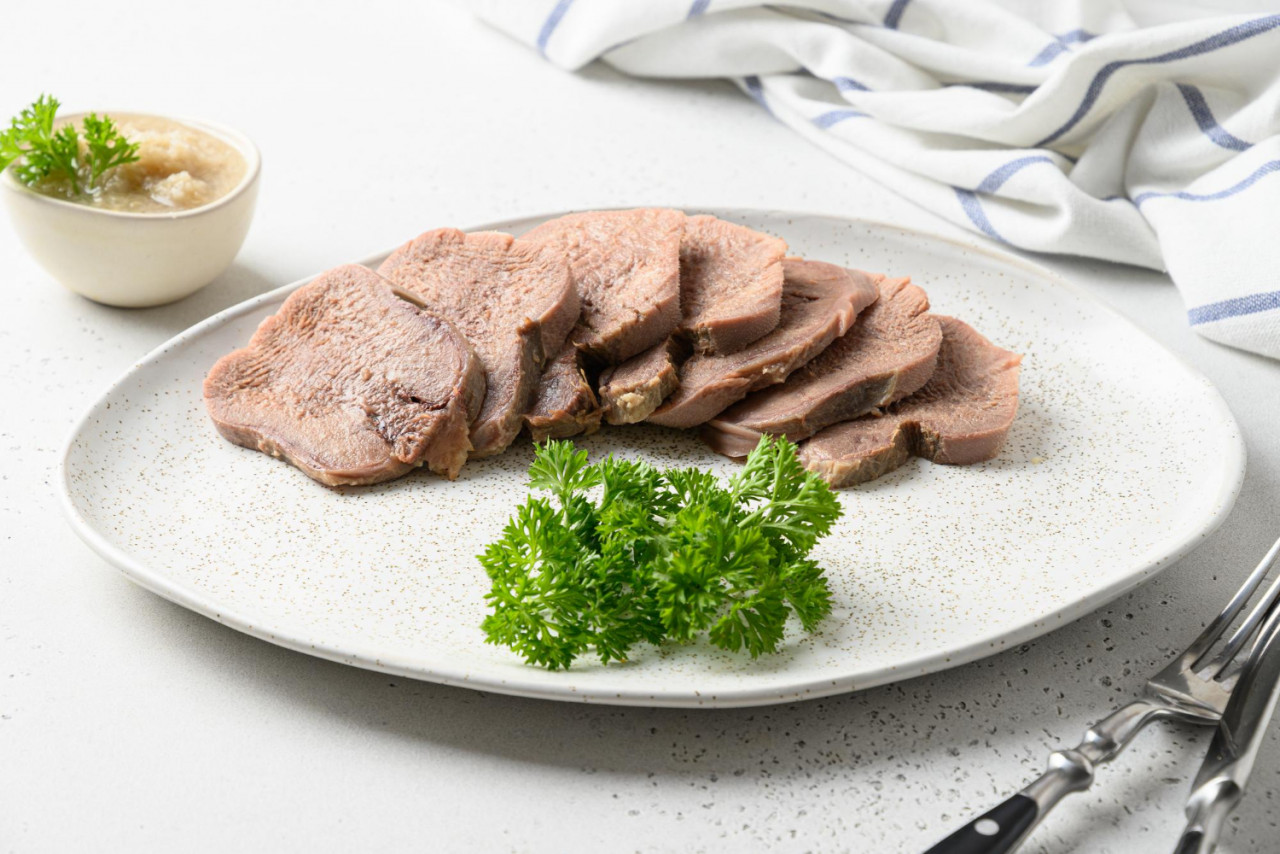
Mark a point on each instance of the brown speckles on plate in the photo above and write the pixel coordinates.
(1121, 458)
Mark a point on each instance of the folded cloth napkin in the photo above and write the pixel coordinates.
(1141, 132)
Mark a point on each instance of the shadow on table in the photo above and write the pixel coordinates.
(236, 285)
(971, 735)
(944, 745)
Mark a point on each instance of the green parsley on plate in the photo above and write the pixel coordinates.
(659, 556)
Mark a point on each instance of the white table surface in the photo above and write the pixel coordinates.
(130, 724)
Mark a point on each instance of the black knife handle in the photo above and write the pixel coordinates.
(1190, 843)
(995, 832)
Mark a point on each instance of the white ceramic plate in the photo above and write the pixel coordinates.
(1122, 458)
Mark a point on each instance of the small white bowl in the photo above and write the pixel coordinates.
(136, 260)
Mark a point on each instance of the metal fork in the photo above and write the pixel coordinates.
(1219, 785)
(1194, 687)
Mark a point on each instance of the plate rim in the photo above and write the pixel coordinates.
(355, 655)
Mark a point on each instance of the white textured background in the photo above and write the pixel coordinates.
(127, 723)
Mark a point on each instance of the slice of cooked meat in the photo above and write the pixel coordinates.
(730, 284)
(352, 383)
(632, 390)
(626, 267)
(565, 405)
(730, 296)
(962, 415)
(819, 304)
(888, 354)
(513, 300)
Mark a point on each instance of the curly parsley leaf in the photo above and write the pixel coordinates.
(660, 556)
(538, 596)
(107, 147)
(37, 152)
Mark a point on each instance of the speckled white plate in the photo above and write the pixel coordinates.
(1122, 458)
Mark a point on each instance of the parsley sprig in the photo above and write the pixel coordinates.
(660, 556)
(38, 152)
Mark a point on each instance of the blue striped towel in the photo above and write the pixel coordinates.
(1135, 131)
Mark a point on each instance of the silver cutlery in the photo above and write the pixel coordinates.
(1220, 783)
(1196, 688)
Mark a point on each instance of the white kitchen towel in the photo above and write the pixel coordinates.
(1145, 132)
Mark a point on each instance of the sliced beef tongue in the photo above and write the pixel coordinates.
(888, 354)
(565, 404)
(632, 390)
(513, 300)
(730, 296)
(961, 416)
(730, 284)
(819, 304)
(626, 268)
(352, 383)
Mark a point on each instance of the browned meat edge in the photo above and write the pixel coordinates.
(730, 284)
(626, 269)
(351, 382)
(961, 416)
(514, 300)
(819, 303)
(888, 354)
(566, 406)
(634, 389)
